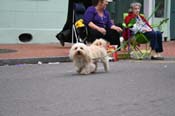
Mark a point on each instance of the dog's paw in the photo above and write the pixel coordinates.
(84, 72)
(90, 68)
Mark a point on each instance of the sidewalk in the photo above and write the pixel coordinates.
(33, 53)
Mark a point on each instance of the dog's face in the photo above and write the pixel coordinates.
(78, 50)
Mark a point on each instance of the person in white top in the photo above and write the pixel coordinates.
(143, 26)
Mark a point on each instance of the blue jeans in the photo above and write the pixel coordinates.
(155, 38)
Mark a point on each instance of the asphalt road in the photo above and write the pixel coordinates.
(131, 88)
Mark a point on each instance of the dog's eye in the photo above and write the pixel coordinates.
(75, 48)
(81, 48)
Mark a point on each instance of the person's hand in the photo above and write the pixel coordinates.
(102, 30)
(118, 29)
(146, 30)
(99, 29)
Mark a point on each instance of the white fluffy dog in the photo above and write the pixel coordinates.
(85, 57)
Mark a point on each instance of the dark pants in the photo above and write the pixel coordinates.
(112, 36)
(155, 38)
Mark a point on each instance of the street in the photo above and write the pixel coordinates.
(131, 88)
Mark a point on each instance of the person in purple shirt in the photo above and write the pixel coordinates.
(99, 24)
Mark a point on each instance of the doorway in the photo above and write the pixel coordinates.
(118, 7)
(172, 21)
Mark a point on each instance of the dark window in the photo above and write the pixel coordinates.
(160, 11)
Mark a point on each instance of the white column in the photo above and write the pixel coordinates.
(168, 15)
(148, 9)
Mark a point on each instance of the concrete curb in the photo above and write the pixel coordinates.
(56, 60)
(34, 60)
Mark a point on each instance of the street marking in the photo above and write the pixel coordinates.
(158, 62)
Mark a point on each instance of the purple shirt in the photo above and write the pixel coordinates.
(91, 15)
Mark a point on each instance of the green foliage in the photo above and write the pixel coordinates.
(159, 26)
(131, 23)
(140, 38)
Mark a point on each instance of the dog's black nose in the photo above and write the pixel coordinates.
(78, 52)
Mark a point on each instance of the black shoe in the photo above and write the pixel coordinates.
(60, 38)
(156, 58)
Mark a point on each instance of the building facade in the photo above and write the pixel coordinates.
(164, 11)
(41, 20)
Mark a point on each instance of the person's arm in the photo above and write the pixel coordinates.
(144, 19)
(89, 15)
(129, 18)
(130, 21)
(118, 29)
(88, 20)
(110, 24)
(95, 27)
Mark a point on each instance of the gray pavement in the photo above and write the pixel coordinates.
(131, 88)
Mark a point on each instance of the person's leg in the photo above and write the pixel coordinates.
(93, 35)
(64, 36)
(153, 39)
(159, 41)
(113, 37)
(155, 43)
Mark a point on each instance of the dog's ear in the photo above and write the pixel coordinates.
(71, 52)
